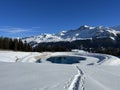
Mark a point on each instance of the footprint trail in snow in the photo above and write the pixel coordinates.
(78, 80)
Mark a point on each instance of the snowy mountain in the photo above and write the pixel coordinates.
(116, 27)
(83, 32)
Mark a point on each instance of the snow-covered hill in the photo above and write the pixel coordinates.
(91, 72)
(84, 32)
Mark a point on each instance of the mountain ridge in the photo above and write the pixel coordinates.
(82, 33)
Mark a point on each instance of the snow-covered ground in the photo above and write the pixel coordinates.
(19, 71)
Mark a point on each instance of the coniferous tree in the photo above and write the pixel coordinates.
(14, 44)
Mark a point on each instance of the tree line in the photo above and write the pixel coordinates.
(98, 45)
(14, 44)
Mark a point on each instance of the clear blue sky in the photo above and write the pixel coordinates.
(19, 18)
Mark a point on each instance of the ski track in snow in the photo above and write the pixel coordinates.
(78, 80)
(23, 58)
(26, 58)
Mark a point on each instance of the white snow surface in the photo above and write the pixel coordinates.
(19, 71)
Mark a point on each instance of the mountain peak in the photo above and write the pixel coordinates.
(84, 27)
(82, 33)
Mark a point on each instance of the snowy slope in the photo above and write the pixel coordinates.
(92, 72)
(84, 32)
(12, 56)
(19, 76)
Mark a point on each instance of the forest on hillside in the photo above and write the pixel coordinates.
(101, 45)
